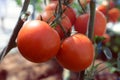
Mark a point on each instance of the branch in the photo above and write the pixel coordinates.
(83, 9)
(11, 44)
(90, 30)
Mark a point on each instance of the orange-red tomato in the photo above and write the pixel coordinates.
(103, 9)
(99, 24)
(76, 53)
(71, 14)
(69, 11)
(113, 14)
(65, 22)
(37, 41)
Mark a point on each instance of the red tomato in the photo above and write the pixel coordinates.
(65, 22)
(76, 53)
(71, 14)
(37, 41)
(103, 9)
(113, 14)
(99, 24)
(69, 11)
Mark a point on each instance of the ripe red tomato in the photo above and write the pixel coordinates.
(113, 14)
(37, 41)
(76, 53)
(103, 9)
(65, 22)
(99, 24)
(69, 11)
(71, 14)
(106, 6)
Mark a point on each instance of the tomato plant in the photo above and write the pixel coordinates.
(48, 16)
(69, 11)
(37, 41)
(76, 53)
(99, 24)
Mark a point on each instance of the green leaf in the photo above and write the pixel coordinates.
(98, 39)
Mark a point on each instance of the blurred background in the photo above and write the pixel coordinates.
(15, 67)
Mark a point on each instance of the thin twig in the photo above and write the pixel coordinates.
(83, 9)
(11, 44)
(105, 68)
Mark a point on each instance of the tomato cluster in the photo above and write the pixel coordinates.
(39, 41)
(109, 10)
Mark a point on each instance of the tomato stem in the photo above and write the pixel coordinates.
(90, 30)
(84, 11)
(58, 15)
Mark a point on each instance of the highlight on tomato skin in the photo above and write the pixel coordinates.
(76, 53)
(37, 41)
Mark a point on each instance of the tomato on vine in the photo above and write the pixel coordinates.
(37, 41)
(69, 11)
(76, 53)
(48, 16)
(99, 24)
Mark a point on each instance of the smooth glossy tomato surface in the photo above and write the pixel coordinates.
(99, 24)
(37, 41)
(76, 53)
(71, 14)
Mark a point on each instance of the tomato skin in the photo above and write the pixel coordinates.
(76, 53)
(37, 41)
(99, 24)
(81, 23)
(71, 14)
